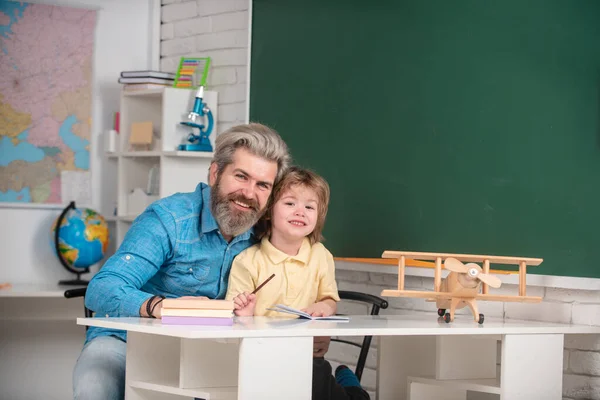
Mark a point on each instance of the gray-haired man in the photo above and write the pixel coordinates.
(182, 245)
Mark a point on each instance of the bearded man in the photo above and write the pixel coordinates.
(181, 245)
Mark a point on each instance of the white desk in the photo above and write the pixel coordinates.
(262, 358)
(36, 290)
(38, 340)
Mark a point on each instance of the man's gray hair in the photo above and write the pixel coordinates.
(258, 139)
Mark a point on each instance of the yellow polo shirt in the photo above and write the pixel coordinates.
(299, 281)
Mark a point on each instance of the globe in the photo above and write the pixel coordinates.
(82, 239)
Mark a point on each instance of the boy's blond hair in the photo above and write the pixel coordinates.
(296, 176)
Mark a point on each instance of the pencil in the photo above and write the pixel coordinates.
(263, 284)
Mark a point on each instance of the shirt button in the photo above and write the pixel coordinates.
(128, 257)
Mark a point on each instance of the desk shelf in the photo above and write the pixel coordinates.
(173, 388)
(182, 367)
(475, 385)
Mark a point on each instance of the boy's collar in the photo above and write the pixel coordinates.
(277, 256)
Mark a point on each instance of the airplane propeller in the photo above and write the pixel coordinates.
(473, 270)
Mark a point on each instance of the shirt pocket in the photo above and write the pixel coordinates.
(185, 278)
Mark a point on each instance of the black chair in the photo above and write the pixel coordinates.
(79, 292)
(376, 303)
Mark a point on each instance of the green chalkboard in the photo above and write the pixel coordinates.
(445, 126)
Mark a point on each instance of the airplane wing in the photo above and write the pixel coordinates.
(506, 298)
(422, 294)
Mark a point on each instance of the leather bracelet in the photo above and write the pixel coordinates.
(156, 304)
(149, 306)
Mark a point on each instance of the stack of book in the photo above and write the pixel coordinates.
(197, 312)
(141, 80)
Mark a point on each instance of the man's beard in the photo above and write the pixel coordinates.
(231, 221)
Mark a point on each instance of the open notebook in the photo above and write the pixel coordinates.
(302, 314)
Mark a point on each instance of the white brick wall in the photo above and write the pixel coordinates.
(582, 352)
(217, 29)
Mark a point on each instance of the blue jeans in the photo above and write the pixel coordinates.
(100, 370)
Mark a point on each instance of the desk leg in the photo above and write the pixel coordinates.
(400, 357)
(531, 367)
(275, 368)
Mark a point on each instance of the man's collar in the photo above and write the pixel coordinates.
(208, 221)
(277, 256)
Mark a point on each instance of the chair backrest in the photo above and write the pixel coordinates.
(376, 303)
(79, 292)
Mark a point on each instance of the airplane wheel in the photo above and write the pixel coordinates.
(480, 319)
(441, 312)
(447, 318)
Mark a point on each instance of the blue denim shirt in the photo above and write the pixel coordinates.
(174, 248)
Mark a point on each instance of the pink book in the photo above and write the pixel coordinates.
(170, 320)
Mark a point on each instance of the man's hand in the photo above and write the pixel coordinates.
(321, 345)
(244, 304)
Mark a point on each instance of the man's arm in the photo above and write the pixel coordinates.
(115, 289)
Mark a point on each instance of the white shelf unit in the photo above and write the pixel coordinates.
(455, 368)
(180, 171)
(182, 367)
(450, 389)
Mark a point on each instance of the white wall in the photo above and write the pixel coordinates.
(123, 41)
(38, 354)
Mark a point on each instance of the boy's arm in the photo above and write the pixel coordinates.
(328, 290)
(241, 277)
(241, 284)
(115, 289)
(327, 293)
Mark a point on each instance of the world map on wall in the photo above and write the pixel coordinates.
(46, 57)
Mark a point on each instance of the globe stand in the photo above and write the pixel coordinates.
(77, 281)
(73, 282)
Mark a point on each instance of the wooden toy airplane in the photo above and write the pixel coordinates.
(465, 284)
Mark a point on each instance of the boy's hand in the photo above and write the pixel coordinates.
(320, 345)
(320, 309)
(244, 304)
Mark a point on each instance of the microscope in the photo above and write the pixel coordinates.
(196, 118)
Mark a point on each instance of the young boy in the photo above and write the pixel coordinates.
(304, 270)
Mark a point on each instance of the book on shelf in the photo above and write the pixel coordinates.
(301, 314)
(159, 81)
(196, 312)
(203, 304)
(136, 87)
(148, 74)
